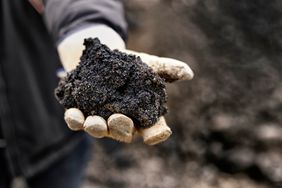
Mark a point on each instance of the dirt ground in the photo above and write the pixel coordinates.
(226, 122)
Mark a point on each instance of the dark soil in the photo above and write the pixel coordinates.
(226, 122)
(107, 82)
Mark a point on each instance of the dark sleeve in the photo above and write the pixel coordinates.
(65, 16)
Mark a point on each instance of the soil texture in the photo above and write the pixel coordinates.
(107, 82)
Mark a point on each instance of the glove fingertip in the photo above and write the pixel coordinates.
(96, 126)
(74, 119)
(156, 134)
(187, 73)
(121, 128)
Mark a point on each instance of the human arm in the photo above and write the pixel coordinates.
(75, 20)
(169, 69)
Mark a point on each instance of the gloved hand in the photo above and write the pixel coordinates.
(118, 126)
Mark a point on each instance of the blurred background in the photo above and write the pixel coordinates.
(226, 122)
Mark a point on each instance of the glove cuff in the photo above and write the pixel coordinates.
(71, 47)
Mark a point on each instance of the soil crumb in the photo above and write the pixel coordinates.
(107, 82)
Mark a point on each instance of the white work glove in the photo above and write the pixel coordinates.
(118, 126)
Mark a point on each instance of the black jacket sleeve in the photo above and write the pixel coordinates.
(65, 16)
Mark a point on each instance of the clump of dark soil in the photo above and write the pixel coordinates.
(107, 82)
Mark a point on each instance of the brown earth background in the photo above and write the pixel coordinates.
(226, 122)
